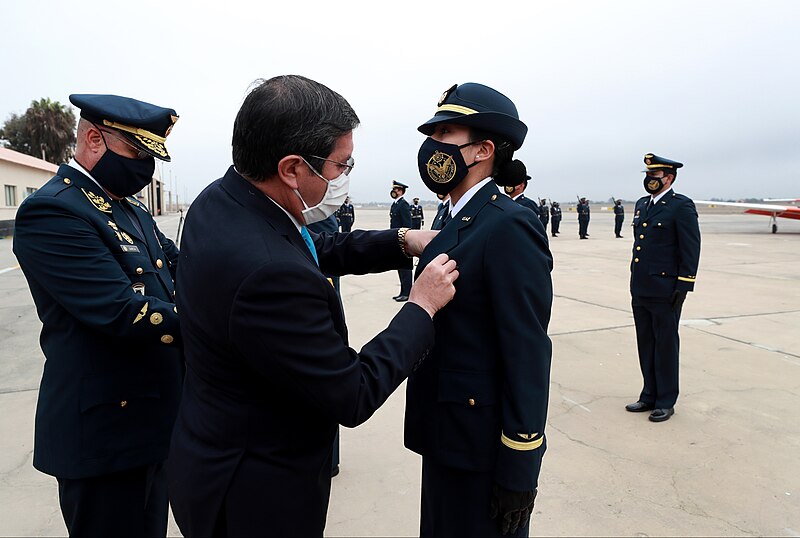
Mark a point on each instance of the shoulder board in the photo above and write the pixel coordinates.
(55, 186)
(136, 203)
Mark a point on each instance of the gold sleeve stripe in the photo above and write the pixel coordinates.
(687, 279)
(134, 130)
(517, 445)
(456, 108)
(142, 313)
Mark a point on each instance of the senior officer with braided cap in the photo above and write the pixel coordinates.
(476, 408)
(101, 274)
(666, 253)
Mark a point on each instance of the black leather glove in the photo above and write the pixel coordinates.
(513, 507)
(678, 297)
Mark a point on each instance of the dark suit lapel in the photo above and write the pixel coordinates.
(253, 199)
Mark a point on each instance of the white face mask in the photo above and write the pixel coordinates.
(337, 191)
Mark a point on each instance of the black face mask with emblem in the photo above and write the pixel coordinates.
(442, 166)
(653, 184)
(122, 176)
(509, 190)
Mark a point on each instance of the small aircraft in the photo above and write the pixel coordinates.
(770, 210)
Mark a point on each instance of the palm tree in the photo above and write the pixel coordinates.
(46, 130)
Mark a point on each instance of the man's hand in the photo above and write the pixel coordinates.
(417, 240)
(434, 288)
(678, 297)
(513, 507)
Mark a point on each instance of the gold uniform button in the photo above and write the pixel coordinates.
(659, 224)
(139, 270)
(67, 180)
(638, 248)
(471, 402)
(156, 318)
(494, 197)
(663, 273)
(175, 309)
(641, 236)
(167, 339)
(159, 264)
(123, 403)
(636, 260)
(645, 225)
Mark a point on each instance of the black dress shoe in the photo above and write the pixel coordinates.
(638, 407)
(334, 471)
(660, 415)
(401, 298)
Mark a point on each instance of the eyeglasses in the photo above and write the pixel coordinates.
(140, 154)
(348, 166)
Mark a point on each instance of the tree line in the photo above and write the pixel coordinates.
(46, 130)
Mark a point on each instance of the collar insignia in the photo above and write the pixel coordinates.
(98, 202)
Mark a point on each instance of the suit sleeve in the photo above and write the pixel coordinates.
(359, 252)
(688, 231)
(281, 323)
(65, 255)
(521, 296)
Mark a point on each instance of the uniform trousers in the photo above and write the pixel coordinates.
(618, 224)
(347, 227)
(456, 502)
(659, 344)
(129, 503)
(555, 226)
(405, 281)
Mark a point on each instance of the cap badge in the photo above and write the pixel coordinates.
(446, 94)
(647, 161)
(441, 167)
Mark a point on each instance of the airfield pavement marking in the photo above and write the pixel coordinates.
(8, 269)
(573, 402)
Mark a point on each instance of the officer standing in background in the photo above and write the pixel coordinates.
(619, 217)
(555, 218)
(442, 212)
(400, 217)
(544, 213)
(583, 218)
(666, 253)
(517, 169)
(476, 409)
(346, 215)
(102, 277)
(417, 218)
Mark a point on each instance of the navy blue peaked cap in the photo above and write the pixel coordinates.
(479, 106)
(146, 126)
(398, 185)
(654, 162)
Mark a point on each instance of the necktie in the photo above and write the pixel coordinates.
(309, 243)
(446, 217)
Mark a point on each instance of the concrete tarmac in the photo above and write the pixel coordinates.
(726, 464)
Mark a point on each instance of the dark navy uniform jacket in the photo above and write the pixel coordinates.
(527, 202)
(555, 212)
(269, 370)
(400, 214)
(113, 371)
(666, 247)
(619, 211)
(479, 401)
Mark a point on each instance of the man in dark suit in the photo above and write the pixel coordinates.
(269, 370)
(619, 217)
(400, 217)
(101, 275)
(346, 215)
(417, 216)
(476, 408)
(555, 218)
(666, 253)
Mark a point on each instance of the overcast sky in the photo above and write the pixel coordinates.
(714, 84)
